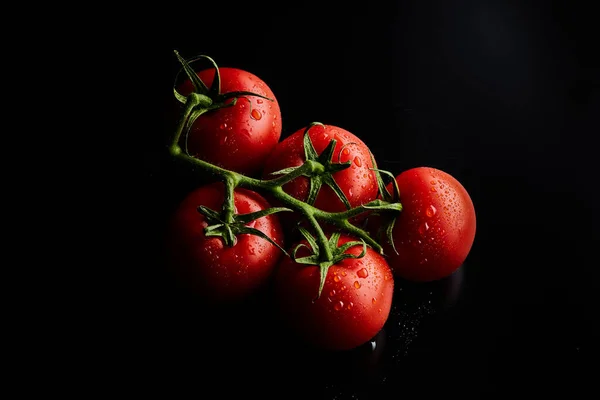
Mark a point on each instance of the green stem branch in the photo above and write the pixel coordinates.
(273, 186)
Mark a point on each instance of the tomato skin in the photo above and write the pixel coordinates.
(204, 264)
(358, 182)
(354, 304)
(436, 229)
(238, 137)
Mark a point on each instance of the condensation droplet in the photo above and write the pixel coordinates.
(256, 114)
(350, 305)
(332, 293)
(336, 278)
(357, 284)
(373, 300)
(424, 227)
(362, 273)
(358, 161)
(339, 305)
(223, 126)
(223, 139)
(259, 101)
(430, 211)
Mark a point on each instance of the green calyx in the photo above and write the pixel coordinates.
(321, 169)
(388, 219)
(204, 99)
(228, 231)
(338, 253)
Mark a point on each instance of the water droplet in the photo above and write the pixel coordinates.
(350, 305)
(433, 189)
(339, 305)
(332, 293)
(373, 300)
(358, 161)
(423, 228)
(343, 273)
(256, 114)
(423, 261)
(343, 288)
(362, 273)
(245, 132)
(432, 182)
(430, 211)
(223, 126)
(336, 278)
(356, 284)
(346, 151)
(350, 192)
(223, 139)
(259, 101)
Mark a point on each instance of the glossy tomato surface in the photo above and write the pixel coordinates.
(358, 182)
(436, 229)
(354, 304)
(238, 137)
(206, 265)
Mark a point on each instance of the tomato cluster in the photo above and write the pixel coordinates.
(333, 288)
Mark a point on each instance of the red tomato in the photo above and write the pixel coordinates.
(238, 137)
(354, 304)
(205, 264)
(436, 229)
(358, 182)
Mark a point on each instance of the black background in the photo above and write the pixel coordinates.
(502, 95)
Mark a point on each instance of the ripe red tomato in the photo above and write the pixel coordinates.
(205, 264)
(436, 228)
(238, 137)
(358, 182)
(354, 304)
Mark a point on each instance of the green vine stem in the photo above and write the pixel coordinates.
(198, 103)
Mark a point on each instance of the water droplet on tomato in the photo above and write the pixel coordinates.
(430, 211)
(424, 227)
(336, 278)
(432, 182)
(346, 151)
(373, 300)
(357, 284)
(433, 189)
(256, 114)
(343, 288)
(223, 126)
(259, 101)
(362, 273)
(357, 161)
(332, 293)
(423, 261)
(343, 273)
(223, 139)
(350, 305)
(245, 132)
(339, 305)
(350, 192)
